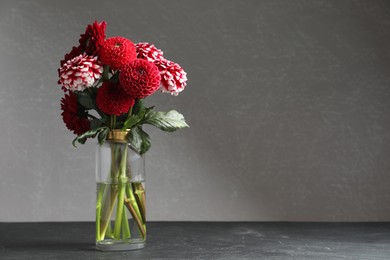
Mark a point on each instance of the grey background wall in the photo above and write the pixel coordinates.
(288, 103)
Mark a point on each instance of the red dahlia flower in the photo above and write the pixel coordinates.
(76, 120)
(90, 41)
(140, 78)
(80, 72)
(93, 38)
(117, 52)
(148, 52)
(112, 100)
(173, 77)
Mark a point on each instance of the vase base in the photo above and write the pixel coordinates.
(113, 245)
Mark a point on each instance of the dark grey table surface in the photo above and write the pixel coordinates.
(203, 240)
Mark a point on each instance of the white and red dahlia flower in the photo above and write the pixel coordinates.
(80, 72)
(149, 52)
(173, 77)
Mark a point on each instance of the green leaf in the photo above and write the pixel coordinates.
(167, 121)
(89, 134)
(115, 77)
(85, 100)
(138, 113)
(148, 109)
(139, 140)
(102, 135)
(138, 106)
(134, 119)
(95, 123)
(106, 70)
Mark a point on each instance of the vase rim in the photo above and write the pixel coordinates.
(118, 135)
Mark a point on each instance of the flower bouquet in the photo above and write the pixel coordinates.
(106, 81)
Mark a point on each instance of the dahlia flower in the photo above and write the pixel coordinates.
(76, 51)
(149, 52)
(173, 77)
(89, 42)
(112, 100)
(75, 119)
(140, 78)
(80, 72)
(117, 52)
(93, 38)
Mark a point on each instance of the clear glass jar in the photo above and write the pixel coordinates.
(120, 201)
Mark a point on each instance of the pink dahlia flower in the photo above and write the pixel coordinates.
(149, 52)
(80, 72)
(173, 77)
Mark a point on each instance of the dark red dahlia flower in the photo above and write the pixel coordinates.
(149, 52)
(117, 52)
(89, 42)
(112, 100)
(173, 77)
(75, 119)
(93, 38)
(140, 78)
(76, 51)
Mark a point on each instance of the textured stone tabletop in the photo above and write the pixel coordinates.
(203, 240)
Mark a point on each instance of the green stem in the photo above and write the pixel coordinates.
(109, 232)
(130, 112)
(110, 193)
(133, 208)
(112, 121)
(140, 198)
(128, 116)
(92, 116)
(99, 210)
(121, 196)
(125, 225)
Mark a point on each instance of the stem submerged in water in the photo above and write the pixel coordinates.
(119, 194)
(133, 208)
(99, 211)
(140, 198)
(125, 225)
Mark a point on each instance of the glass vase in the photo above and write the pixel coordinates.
(120, 200)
